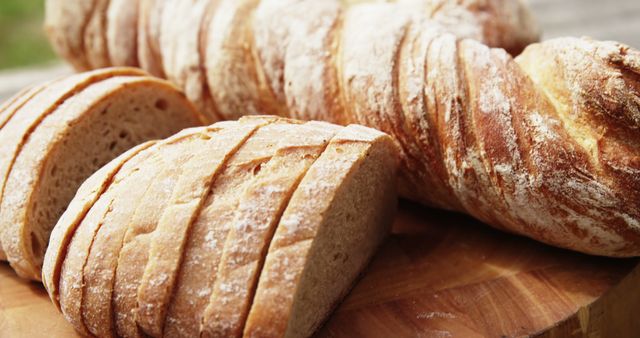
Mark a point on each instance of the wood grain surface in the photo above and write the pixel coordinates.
(439, 275)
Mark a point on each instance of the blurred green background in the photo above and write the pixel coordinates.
(22, 39)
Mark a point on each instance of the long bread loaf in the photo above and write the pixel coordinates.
(543, 145)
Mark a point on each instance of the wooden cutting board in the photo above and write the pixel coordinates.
(439, 275)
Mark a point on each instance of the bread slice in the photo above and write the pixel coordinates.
(87, 195)
(138, 200)
(95, 36)
(228, 63)
(170, 235)
(181, 50)
(71, 279)
(33, 106)
(149, 15)
(122, 32)
(258, 212)
(125, 111)
(65, 22)
(333, 224)
(310, 65)
(206, 240)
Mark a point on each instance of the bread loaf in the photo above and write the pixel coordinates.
(529, 146)
(62, 135)
(196, 245)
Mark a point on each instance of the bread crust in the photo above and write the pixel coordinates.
(71, 272)
(169, 238)
(150, 14)
(252, 228)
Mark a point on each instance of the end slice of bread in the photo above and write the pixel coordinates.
(333, 224)
(87, 195)
(80, 136)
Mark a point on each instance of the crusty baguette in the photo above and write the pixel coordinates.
(130, 205)
(126, 111)
(169, 238)
(122, 32)
(84, 200)
(206, 241)
(347, 194)
(252, 227)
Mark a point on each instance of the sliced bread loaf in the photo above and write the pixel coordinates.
(65, 143)
(333, 224)
(192, 255)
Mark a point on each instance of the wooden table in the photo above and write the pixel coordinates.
(439, 275)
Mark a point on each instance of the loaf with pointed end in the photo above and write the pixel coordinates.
(63, 134)
(203, 217)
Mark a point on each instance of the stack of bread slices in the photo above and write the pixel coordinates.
(255, 228)
(55, 135)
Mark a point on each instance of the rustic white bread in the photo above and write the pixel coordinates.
(87, 195)
(256, 217)
(332, 226)
(252, 160)
(206, 241)
(58, 150)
